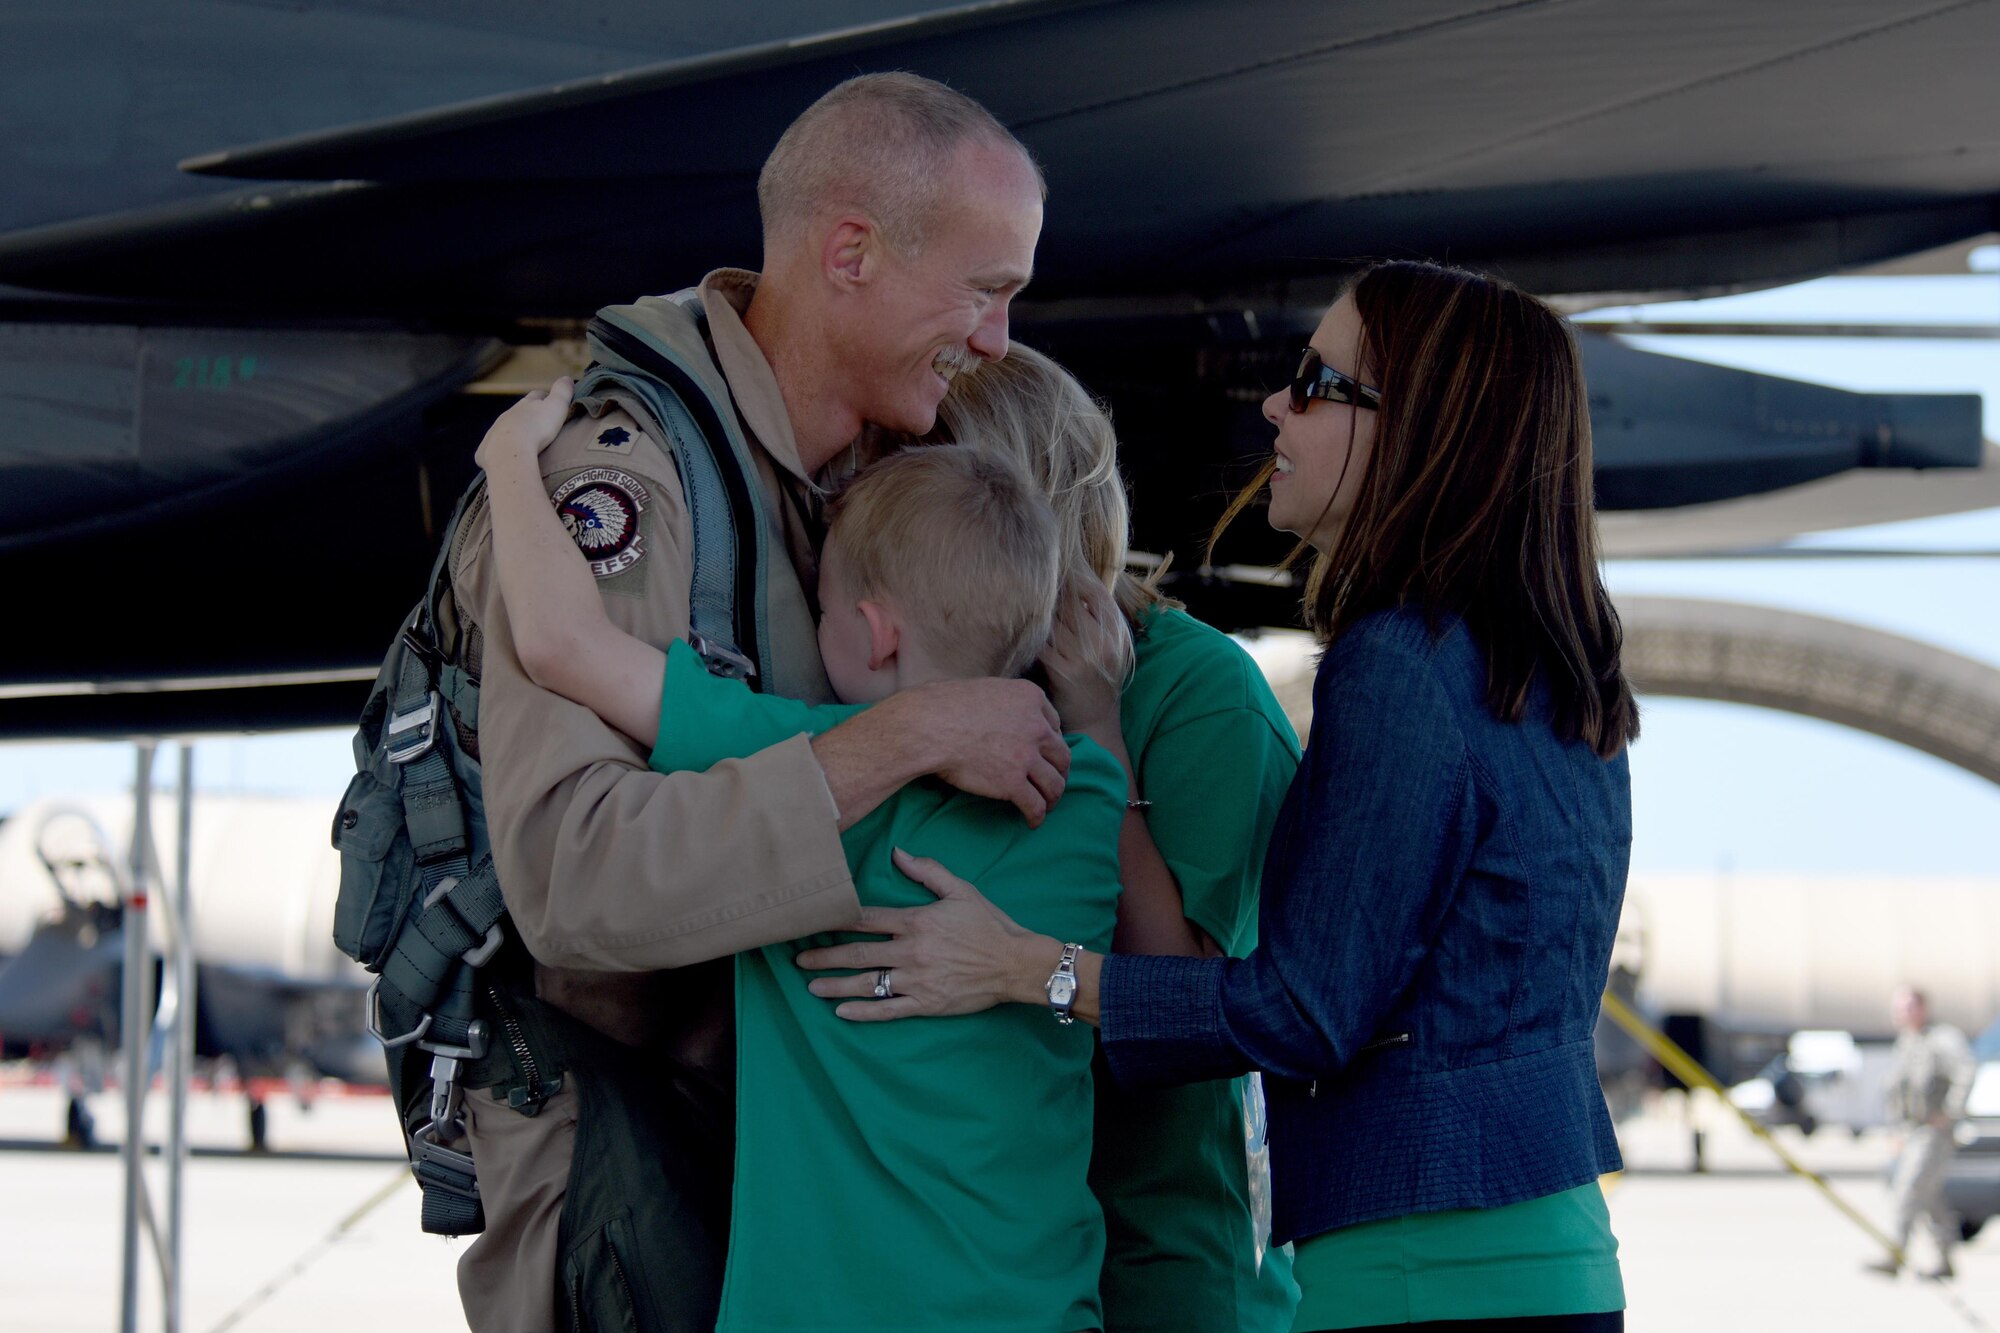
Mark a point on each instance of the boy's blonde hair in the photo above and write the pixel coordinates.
(964, 544)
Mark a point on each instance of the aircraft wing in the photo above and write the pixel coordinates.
(248, 411)
(1197, 151)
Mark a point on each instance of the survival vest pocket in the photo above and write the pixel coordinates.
(600, 1284)
(376, 869)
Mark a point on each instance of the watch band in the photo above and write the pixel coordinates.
(1061, 987)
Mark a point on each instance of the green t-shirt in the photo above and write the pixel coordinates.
(1549, 1256)
(1215, 755)
(928, 1175)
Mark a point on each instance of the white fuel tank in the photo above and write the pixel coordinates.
(1778, 953)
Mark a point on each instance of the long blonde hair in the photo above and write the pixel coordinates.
(1036, 412)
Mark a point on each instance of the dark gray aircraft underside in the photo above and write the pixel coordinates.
(232, 407)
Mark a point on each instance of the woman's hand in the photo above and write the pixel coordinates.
(526, 428)
(1087, 658)
(960, 955)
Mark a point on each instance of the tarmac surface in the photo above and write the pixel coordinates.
(320, 1233)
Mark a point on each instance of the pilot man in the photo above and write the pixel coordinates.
(899, 221)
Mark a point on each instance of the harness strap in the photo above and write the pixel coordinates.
(431, 970)
(425, 1001)
(450, 1188)
(712, 609)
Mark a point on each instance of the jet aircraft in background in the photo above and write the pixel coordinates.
(267, 272)
(273, 997)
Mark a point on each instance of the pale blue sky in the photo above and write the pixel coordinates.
(1722, 785)
(1714, 785)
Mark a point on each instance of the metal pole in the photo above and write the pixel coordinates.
(180, 1063)
(132, 1031)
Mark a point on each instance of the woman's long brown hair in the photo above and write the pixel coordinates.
(1477, 500)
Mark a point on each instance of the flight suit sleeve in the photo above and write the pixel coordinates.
(605, 864)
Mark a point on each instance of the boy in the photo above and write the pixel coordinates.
(924, 1175)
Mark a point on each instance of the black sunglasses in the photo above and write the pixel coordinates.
(1316, 379)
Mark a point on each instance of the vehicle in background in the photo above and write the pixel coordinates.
(1822, 1077)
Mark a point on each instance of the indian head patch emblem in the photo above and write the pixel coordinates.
(601, 507)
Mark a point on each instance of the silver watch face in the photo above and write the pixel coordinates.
(1062, 990)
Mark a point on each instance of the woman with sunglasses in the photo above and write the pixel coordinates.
(1444, 880)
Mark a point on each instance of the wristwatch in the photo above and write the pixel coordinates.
(1062, 986)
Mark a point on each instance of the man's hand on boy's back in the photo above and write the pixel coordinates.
(995, 738)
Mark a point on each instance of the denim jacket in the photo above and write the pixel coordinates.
(1437, 913)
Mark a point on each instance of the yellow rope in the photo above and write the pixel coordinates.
(1683, 1067)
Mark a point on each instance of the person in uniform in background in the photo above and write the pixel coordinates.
(900, 219)
(1926, 1095)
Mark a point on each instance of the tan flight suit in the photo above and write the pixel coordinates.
(632, 888)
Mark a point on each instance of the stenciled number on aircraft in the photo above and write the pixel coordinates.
(221, 372)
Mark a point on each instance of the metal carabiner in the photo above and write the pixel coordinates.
(373, 1021)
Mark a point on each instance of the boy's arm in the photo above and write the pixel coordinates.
(983, 736)
(604, 864)
(562, 636)
(711, 719)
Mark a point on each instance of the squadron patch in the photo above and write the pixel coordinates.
(601, 507)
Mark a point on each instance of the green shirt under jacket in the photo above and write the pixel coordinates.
(1549, 1256)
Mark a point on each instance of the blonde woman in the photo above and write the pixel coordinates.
(1208, 756)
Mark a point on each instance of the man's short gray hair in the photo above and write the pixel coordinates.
(879, 143)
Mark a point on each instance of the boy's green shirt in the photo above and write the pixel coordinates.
(928, 1174)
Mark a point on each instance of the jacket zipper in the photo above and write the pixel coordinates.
(1400, 1039)
(618, 1265)
(517, 1042)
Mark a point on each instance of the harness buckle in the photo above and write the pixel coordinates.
(420, 643)
(446, 1064)
(721, 659)
(425, 1150)
(410, 735)
(373, 1021)
(480, 954)
(474, 1048)
(444, 1091)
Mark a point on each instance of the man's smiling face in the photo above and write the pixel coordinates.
(929, 316)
